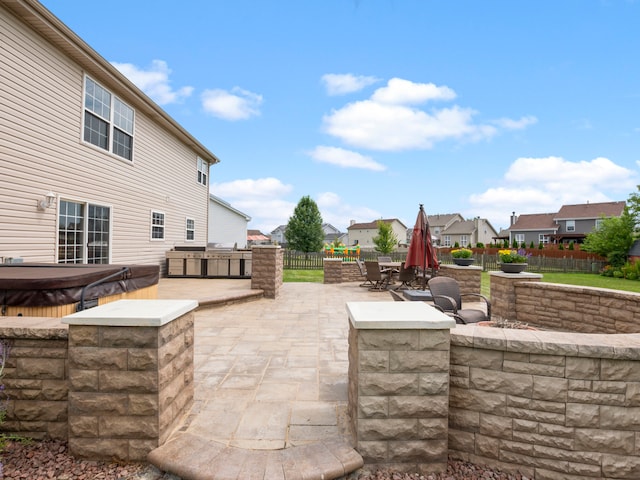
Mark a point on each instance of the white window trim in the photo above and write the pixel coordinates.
(542, 238)
(446, 240)
(164, 226)
(111, 123)
(570, 225)
(464, 240)
(187, 229)
(203, 171)
(519, 237)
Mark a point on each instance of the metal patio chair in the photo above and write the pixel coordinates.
(447, 297)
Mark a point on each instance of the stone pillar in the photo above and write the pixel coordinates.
(130, 376)
(332, 270)
(503, 292)
(469, 277)
(399, 384)
(267, 264)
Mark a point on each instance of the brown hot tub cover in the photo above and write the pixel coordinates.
(45, 284)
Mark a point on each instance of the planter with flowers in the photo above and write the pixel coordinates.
(462, 256)
(513, 261)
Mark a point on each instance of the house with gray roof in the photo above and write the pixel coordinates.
(468, 233)
(570, 223)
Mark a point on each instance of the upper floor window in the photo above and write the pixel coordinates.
(203, 168)
(157, 225)
(571, 225)
(190, 229)
(108, 121)
(599, 222)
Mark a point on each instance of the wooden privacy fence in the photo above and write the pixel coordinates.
(538, 264)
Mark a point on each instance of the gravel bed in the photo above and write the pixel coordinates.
(49, 460)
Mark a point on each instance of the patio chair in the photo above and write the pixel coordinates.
(447, 297)
(363, 272)
(406, 277)
(379, 279)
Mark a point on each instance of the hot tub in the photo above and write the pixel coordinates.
(56, 290)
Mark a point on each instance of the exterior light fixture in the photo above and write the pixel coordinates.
(49, 200)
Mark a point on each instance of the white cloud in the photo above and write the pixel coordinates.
(344, 158)
(154, 81)
(376, 126)
(238, 104)
(543, 185)
(389, 119)
(263, 199)
(404, 92)
(510, 124)
(341, 84)
(339, 213)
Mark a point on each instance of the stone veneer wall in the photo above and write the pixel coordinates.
(548, 404)
(469, 278)
(267, 265)
(36, 377)
(129, 387)
(576, 309)
(338, 271)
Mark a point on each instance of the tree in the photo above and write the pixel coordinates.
(304, 229)
(612, 239)
(386, 241)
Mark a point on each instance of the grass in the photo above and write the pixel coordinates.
(582, 279)
(315, 276)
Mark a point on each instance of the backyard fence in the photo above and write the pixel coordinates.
(488, 261)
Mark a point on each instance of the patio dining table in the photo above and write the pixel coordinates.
(391, 268)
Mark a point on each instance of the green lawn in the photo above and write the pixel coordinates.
(584, 279)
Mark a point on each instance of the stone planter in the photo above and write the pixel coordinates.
(464, 262)
(513, 267)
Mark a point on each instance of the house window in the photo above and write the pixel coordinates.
(446, 241)
(203, 168)
(599, 222)
(519, 238)
(84, 232)
(464, 240)
(108, 121)
(191, 229)
(542, 238)
(571, 225)
(157, 225)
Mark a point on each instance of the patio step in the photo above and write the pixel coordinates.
(194, 458)
(230, 299)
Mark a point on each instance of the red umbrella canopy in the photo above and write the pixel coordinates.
(421, 251)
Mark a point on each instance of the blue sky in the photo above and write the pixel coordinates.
(372, 107)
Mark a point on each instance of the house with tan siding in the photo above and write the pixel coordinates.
(91, 169)
(363, 233)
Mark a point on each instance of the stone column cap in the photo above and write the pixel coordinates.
(397, 315)
(132, 313)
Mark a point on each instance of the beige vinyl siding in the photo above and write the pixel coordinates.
(41, 149)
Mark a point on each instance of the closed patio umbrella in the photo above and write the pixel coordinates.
(421, 252)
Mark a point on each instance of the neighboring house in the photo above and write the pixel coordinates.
(256, 237)
(439, 223)
(362, 233)
(91, 170)
(277, 235)
(331, 234)
(532, 227)
(227, 225)
(468, 233)
(576, 221)
(570, 223)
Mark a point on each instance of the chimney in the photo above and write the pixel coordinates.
(513, 218)
(351, 222)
